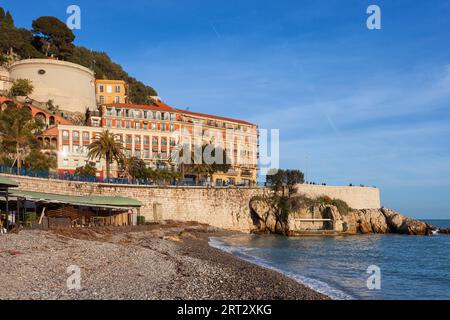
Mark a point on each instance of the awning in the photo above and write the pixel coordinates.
(86, 201)
(7, 183)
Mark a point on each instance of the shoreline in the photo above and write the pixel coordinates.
(168, 261)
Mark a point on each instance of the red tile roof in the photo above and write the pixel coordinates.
(158, 106)
(204, 115)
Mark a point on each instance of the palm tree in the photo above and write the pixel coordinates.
(106, 147)
(202, 168)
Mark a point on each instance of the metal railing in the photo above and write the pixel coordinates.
(79, 178)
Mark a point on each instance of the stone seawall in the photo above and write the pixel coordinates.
(227, 208)
(356, 197)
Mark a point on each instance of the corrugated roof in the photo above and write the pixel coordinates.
(96, 201)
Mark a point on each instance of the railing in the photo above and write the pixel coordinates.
(71, 177)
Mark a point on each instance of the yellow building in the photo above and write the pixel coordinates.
(110, 91)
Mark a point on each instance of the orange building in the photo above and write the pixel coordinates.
(110, 91)
(152, 132)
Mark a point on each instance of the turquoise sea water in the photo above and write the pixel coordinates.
(411, 267)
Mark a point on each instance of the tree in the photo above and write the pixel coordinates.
(17, 128)
(135, 168)
(294, 177)
(279, 178)
(88, 170)
(38, 161)
(202, 167)
(53, 36)
(21, 87)
(106, 147)
(3, 59)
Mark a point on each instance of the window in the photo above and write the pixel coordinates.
(76, 148)
(129, 140)
(86, 136)
(109, 88)
(117, 99)
(102, 99)
(155, 141)
(108, 122)
(65, 134)
(75, 163)
(172, 128)
(127, 124)
(128, 152)
(146, 153)
(101, 88)
(117, 89)
(118, 123)
(164, 141)
(66, 162)
(65, 149)
(85, 150)
(76, 136)
(146, 140)
(137, 139)
(137, 125)
(153, 126)
(137, 153)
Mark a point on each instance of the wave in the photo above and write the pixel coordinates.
(316, 285)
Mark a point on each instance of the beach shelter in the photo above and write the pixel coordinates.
(5, 184)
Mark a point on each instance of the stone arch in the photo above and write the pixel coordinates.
(41, 117)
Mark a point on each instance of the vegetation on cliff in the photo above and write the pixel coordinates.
(51, 37)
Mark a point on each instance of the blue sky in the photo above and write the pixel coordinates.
(352, 105)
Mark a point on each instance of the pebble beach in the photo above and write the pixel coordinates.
(171, 261)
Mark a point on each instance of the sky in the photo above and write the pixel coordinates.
(353, 105)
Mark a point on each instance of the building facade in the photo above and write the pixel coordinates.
(110, 91)
(155, 133)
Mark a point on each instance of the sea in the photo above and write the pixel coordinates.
(368, 267)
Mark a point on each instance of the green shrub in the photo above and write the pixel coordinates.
(342, 206)
(140, 220)
(30, 216)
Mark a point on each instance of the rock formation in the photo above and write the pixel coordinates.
(267, 218)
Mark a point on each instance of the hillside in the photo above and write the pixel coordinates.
(50, 36)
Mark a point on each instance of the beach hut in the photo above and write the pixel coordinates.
(5, 184)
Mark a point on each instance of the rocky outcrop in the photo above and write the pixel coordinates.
(268, 219)
(399, 223)
(266, 216)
